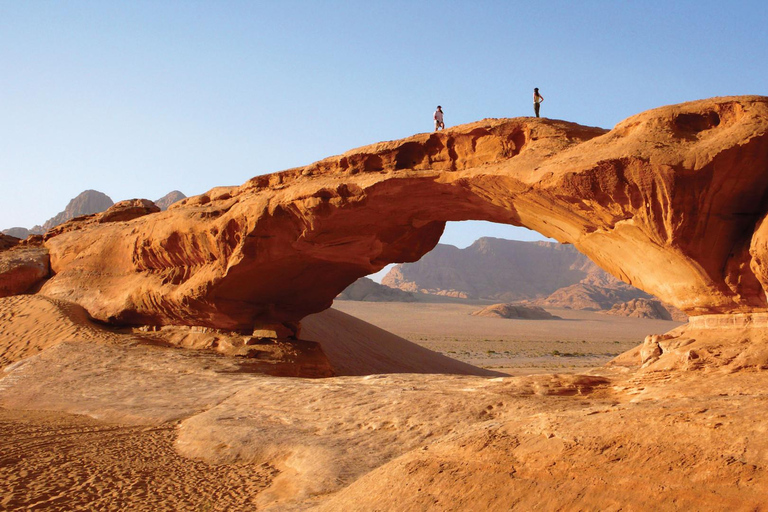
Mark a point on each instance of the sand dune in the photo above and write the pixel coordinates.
(31, 323)
(355, 347)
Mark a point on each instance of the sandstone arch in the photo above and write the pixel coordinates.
(671, 200)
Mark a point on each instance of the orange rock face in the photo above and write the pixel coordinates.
(22, 266)
(671, 201)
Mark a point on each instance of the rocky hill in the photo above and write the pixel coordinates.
(547, 273)
(86, 203)
(168, 199)
(494, 269)
(22, 233)
(592, 297)
(370, 291)
(647, 308)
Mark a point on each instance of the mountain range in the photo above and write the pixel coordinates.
(542, 273)
(87, 202)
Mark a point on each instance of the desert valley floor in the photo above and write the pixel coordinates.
(116, 420)
(578, 340)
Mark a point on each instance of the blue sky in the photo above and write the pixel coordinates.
(138, 98)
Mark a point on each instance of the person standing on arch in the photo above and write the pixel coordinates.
(537, 100)
(438, 116)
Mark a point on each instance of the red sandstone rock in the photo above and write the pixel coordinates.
(21, 268)
(667, 201)
(8, 241)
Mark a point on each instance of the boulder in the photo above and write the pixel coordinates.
(8, 241)
(21, 268)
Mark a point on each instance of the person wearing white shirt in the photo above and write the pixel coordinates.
(439, 118)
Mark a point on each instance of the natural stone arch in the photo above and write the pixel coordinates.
(671, 201)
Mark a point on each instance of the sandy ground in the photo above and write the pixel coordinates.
(103, 420)
(578, 341)
(55, 461)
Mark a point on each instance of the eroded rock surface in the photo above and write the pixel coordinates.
(647, 308)
(21, 268)
(670, 201)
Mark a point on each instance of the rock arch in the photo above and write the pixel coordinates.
(672, 201)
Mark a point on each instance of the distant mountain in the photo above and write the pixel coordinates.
(543, 273)
(86, 203)
(367, 290)
(168, 199)
(23, 232)
(494, 269)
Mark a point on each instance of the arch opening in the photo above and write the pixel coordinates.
(516, 303)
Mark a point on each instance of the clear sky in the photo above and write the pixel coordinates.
(138, 98)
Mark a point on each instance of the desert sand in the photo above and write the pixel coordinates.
(579, 340)
(115, 420)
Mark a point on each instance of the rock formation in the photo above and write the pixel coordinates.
(86, 203)
(552, 274)
(646, 308)
(671, 200)
(592, 297)
(8, 241)
(518, 311)
(641, 308)
(122, 211)
(168, 199)
(494, 268)
(370, 291)
(21, 268)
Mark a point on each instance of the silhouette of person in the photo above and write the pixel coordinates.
(438, 116)
(537, 100)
